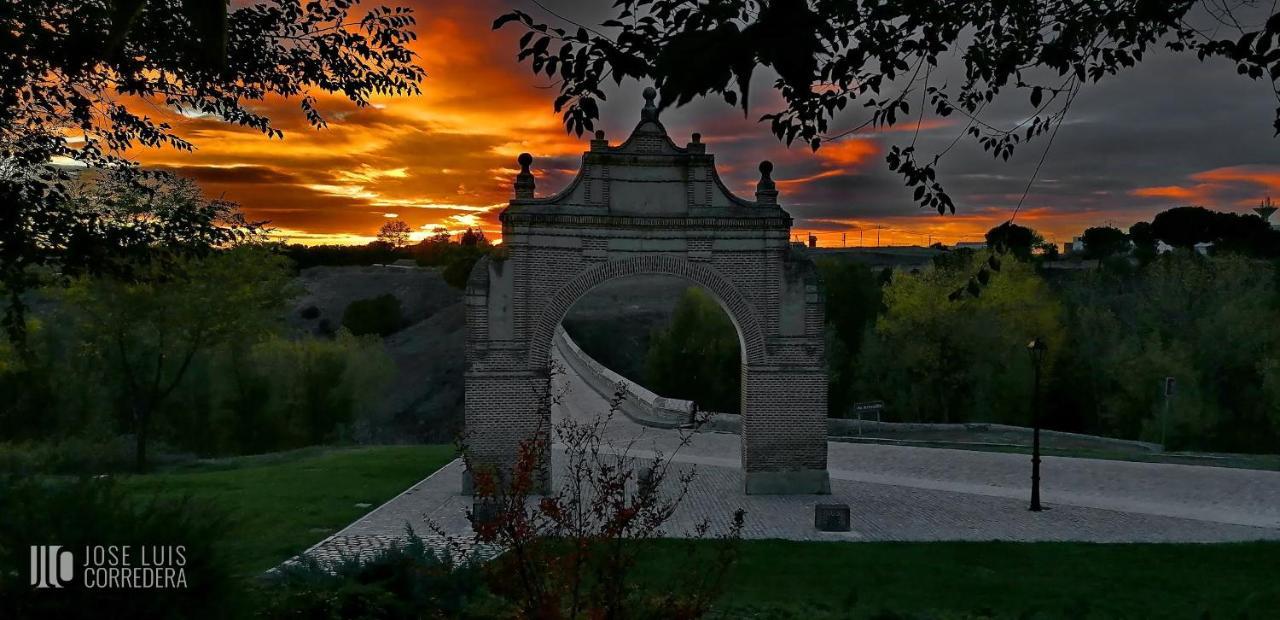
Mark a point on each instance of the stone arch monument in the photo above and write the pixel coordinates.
(647, 206)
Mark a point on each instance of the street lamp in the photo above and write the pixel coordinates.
(1037, 348)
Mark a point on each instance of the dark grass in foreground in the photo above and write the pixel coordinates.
(781, 579)
(283, 503)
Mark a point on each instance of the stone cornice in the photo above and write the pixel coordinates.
(778, 220)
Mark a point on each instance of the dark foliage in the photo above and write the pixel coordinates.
(1015, 239)
(76, 514)
(375, 253)
(406, 580)
(379, 315)
(1144, 241)
(697, 356)
(1184, 227)
(854, 299)
(68, 64)
(1102, 242)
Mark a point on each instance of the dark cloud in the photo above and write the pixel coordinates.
(246, 175)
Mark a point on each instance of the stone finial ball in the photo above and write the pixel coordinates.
(650, 94)
(766, 168)
(697, 137)
(525, 160)
(599, 134)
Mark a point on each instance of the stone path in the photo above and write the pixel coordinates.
(900, 493)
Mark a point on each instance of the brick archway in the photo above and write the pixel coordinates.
(648, 206)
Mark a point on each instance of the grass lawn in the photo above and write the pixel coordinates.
(283, 503)
(779, 579)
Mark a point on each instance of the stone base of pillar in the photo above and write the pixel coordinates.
(794, 482)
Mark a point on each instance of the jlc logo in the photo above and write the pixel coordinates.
(51, 566)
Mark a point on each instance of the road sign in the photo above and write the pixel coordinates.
(869, 406)
(1169, 386)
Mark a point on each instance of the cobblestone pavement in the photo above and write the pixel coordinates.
(900, 493)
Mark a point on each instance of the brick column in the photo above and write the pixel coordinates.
(502, 410)
(784, 431)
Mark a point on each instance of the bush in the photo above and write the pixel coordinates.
(284, 394)
(72, 455)
(572, 549)
(406, 580)
(91, 512)
(379, 315)
(458, 269)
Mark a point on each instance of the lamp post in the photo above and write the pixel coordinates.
(1037, 348)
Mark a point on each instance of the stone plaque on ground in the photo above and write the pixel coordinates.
(831, 517)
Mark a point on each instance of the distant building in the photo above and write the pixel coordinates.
(1265, 209)
(1077, 244)
(1201, 248)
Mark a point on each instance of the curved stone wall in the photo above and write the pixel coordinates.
(638, 403)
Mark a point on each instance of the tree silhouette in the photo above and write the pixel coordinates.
(394, 233)
(473, 237)
(839, 54)
(1184, 227)
(1010, 237)
(1104, 241)
(68, 65)
(1145, 242)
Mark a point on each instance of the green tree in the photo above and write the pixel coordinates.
(151, 328)
(697, 356)
(934, 360)
(1171, 319)
(317, 390)
(853, 302)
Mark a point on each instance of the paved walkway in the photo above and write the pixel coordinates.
(901, 493)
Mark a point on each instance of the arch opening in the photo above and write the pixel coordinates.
(660, 333)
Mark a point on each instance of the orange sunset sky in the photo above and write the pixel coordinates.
(1172, 132)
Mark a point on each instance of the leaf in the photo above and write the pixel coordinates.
(540, 46)
(505, 19)
(1037, 94)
